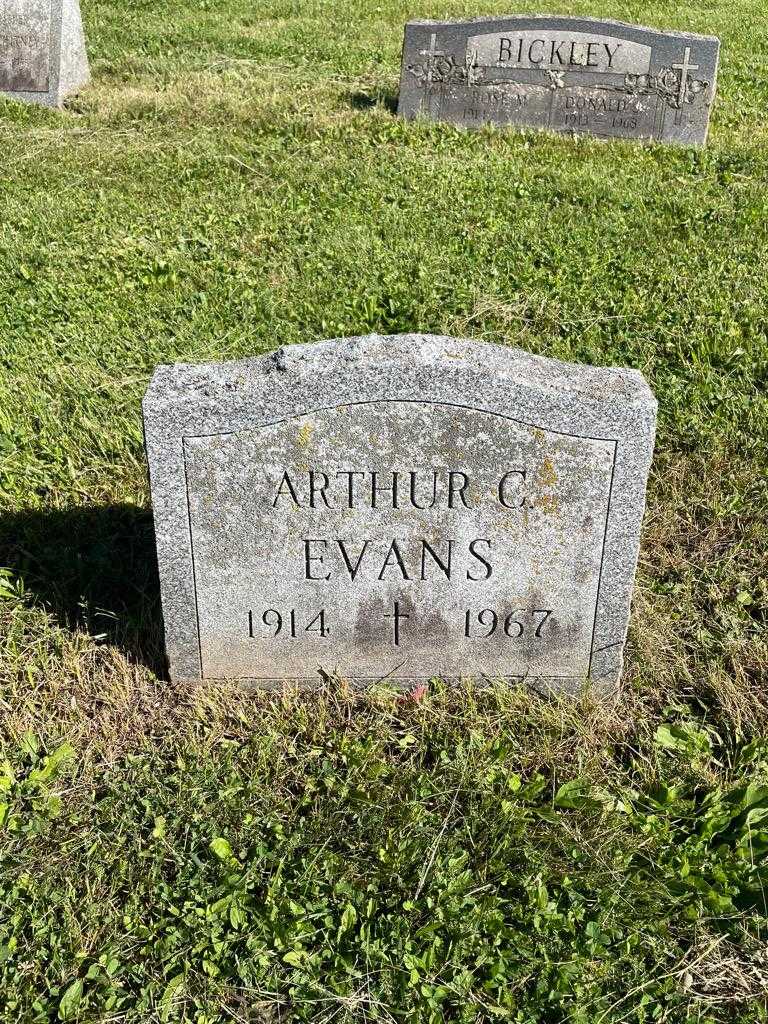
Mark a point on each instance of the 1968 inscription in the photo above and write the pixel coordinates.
(339, 542)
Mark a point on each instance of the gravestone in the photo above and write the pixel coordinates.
(603, 78)
(42, 50)
(398, 507)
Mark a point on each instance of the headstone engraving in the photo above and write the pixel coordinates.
(42, 50)
(398, 507)
(582, 75)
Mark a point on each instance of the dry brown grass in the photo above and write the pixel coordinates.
(720, 973)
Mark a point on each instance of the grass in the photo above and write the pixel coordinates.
(233, 179)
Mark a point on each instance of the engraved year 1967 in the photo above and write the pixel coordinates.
(515, 624)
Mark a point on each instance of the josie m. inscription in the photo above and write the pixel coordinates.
(606, 78)
(455, 509)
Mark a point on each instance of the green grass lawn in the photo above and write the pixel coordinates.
(235, 179)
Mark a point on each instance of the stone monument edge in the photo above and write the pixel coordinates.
(77, 67)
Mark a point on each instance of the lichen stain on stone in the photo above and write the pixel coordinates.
(305, 435)
(548, 503)
(546, 476)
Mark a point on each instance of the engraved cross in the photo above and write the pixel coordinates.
(685, 68)
(430, 54)
(397, 615)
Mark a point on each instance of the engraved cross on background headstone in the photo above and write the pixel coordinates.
(685, 68)
(471, 64)
(430, 54)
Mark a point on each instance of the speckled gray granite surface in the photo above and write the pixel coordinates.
(398, 507)
(582, 75)
(42, 50)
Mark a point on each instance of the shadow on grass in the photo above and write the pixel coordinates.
(379, 97)
(93, 568)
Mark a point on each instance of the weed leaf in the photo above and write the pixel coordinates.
(70, 1001)
(170, 997)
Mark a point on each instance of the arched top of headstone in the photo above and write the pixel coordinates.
(407, 365)
(440, 352)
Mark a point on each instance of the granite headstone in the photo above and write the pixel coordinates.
(398, 507)
(42, 50)
(602, 78)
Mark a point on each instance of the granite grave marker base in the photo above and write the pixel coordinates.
(42, 50)
(580, 75)
(398, 508)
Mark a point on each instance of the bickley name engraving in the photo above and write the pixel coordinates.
(557, 53)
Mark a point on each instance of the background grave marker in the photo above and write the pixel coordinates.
(42, 50)
(603, 78)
